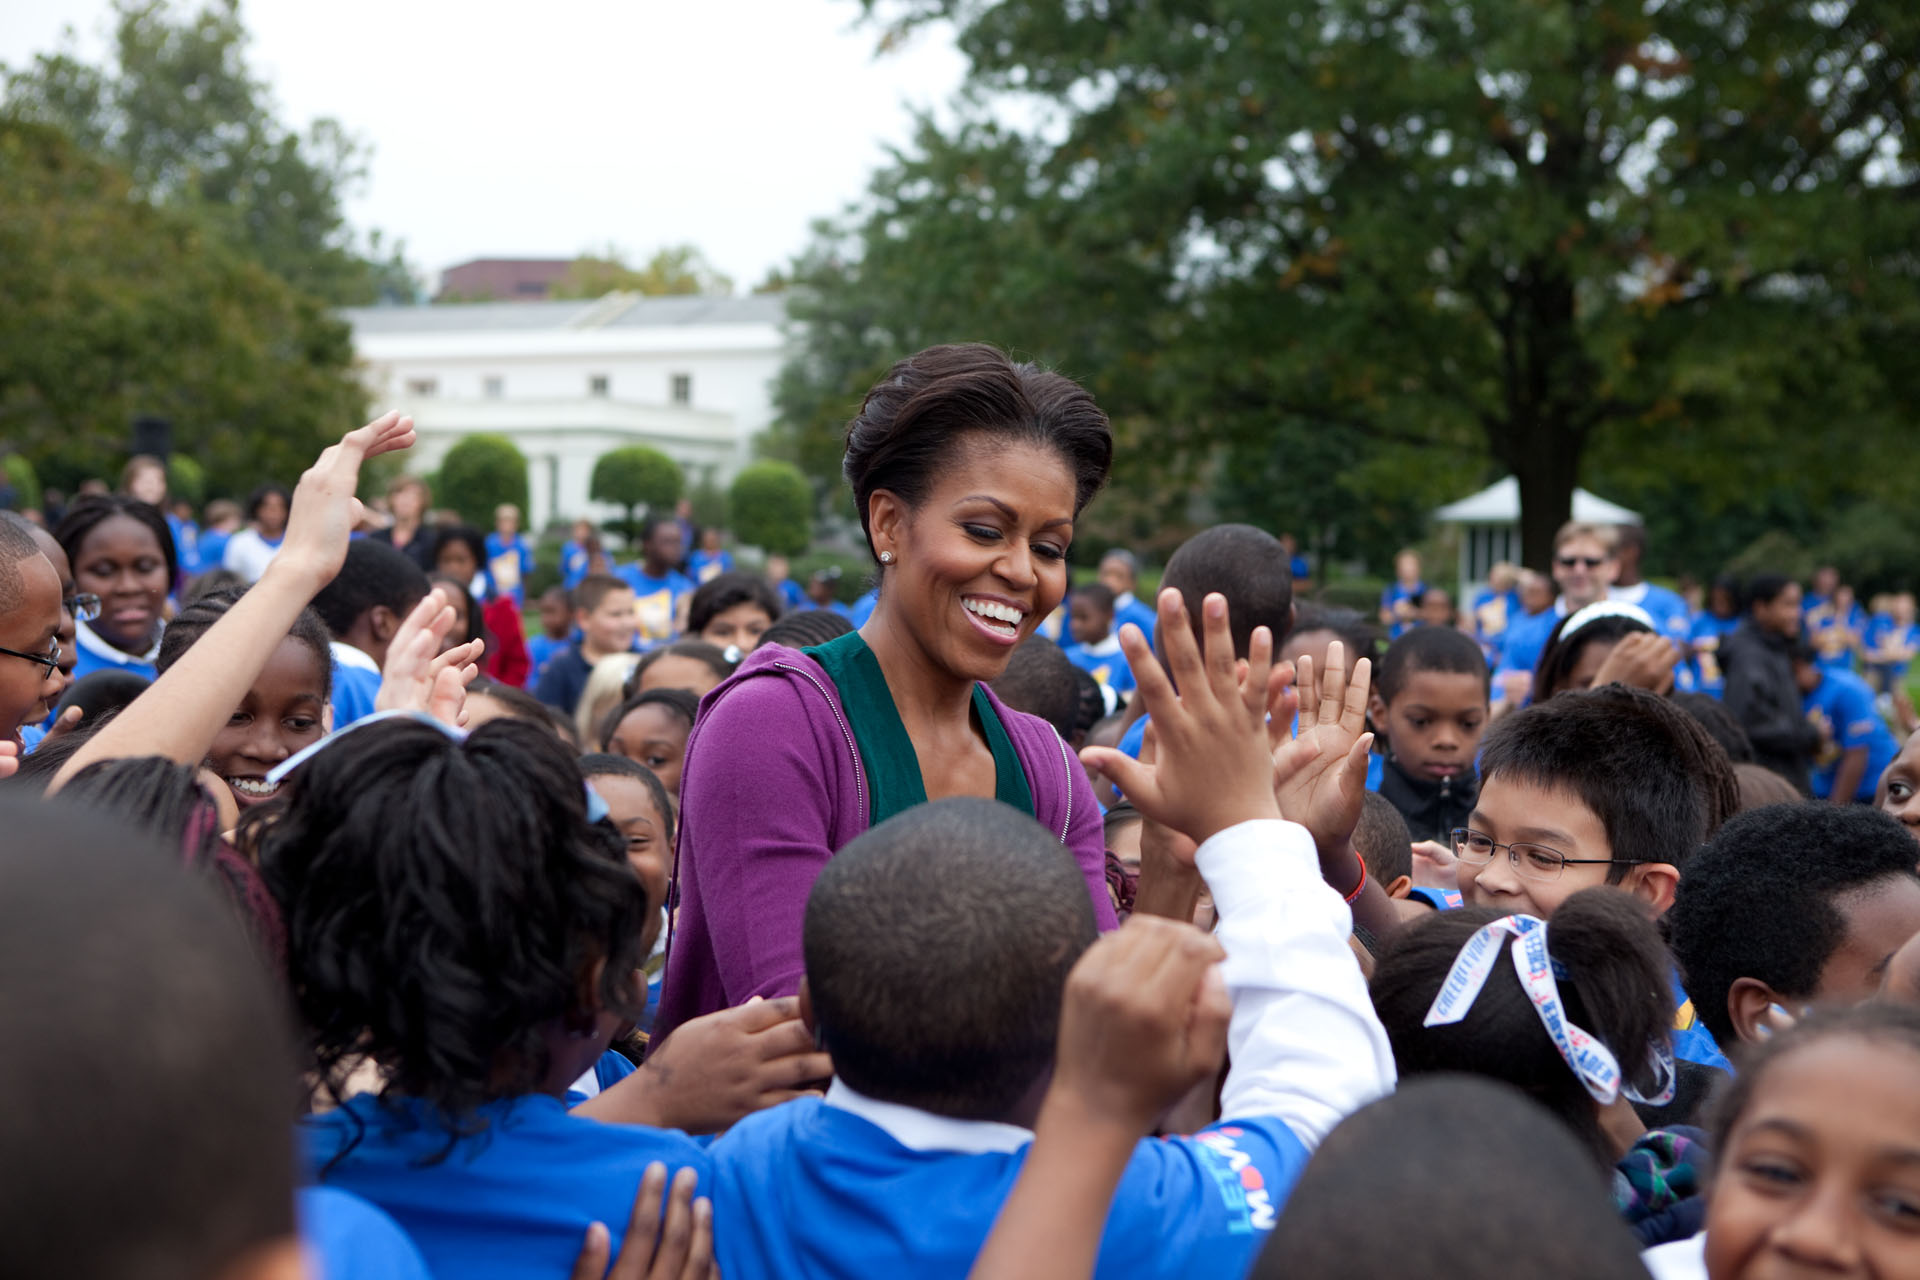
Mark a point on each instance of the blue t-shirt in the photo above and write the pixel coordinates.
(1139, 613)
(521, 551)
(573, 564)
(1394, 594)
(705, 566)
(353, 1240)
(656, 604)
(1493, 612)
(1526, 637)
(213, 548)
(1110, 669)
(512, 1201)
(1834, 635)
(1882, 632)
(809, 1189)
(1847, 702)
(92, 654)
(540, 650)
(1705, 635)
(1692, 1042)
(354, 691)
(863, 608)
(186, 543)
(792, 595)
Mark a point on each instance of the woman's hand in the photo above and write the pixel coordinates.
(324, 510)
(417, 676)
(675, 1246)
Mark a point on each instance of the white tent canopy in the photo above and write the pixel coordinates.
(1490, 532)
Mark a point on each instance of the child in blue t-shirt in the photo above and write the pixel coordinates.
(1835, 628)
(711, 558)
(487, 974)
(1400, 602)
(1855, 744)
(1712, 625)
(943, 1026)
(658, 587)
(1892, 640)
(1095, 647)
(556, 631)
(509, 554)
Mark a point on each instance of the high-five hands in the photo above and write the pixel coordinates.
(1214, 770)
(417, 676)
(1320, 775)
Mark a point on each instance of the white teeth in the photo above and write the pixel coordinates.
(997, 612)
(257, 787)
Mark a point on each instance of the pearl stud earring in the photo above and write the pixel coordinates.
(886, 557)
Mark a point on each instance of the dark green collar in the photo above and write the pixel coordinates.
(894, 782)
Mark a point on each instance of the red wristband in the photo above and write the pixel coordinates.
(1361, 887)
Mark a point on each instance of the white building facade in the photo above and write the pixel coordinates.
(570, 381)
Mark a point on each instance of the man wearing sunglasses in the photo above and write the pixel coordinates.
(1585, 565)
(30, 622)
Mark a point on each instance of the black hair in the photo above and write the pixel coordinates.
(467, 536)
(155, 795)
(598, 764)
(1247, 566)
(1765, 588)
(374, 576)
(592, 589)
(102, 692)
(1356, 632)
(1562, 653)
(1878, 1021)
(198, 618)
(444, 901)
(16, 544)
(1120, 815)
(934, 986)
(804, 628)
(1757, 901)
(1038, 680)
(724, 592)
(1097, 594)
(928, 404)
(107, 942)
(1383, 840)
(1090, 704)
(201, 585)
(87, 513)
(264, 492)
(1646, 769)
(1485, 1164)
(519, 704)
(38, 767)
(1616, 988)
(681, 702)
(712, 655)
(476, 625)
(653, 523)
(1429, 649)
(1713, 716)
(1761, 787)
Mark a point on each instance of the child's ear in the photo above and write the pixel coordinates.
(382, 622)
(1654, 883)
(806, 1007)
(1376, 709)
(1748, 1001)
(1400, 887)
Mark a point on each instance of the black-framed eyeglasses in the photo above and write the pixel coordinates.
(1590, 562)
(84, 606)
(1529, 861)
(50, 661)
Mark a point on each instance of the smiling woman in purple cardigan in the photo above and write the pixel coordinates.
(968, 472)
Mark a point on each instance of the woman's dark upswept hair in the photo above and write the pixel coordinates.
(916, 416)
(443, 901)
(1617, 990)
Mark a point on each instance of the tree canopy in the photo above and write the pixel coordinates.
(480, 473)
(773, 508)
(1309, 253)
(674, 270)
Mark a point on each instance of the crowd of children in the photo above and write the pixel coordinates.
(396, 917)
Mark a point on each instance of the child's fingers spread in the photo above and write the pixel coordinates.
(1175, 633)
(1256, 672)
(1222, 663)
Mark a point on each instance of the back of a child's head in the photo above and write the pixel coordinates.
(181, 1165)
(804, 628)
(1382, 840)
(1761, 787)
(100, 693)
(1647, 770)
(937, 946)
(445, 901)
(1615, 987)
(1487, 1183)
(1441, 649)
(375, 575)
(1713, 716)
(1039, 680)
(198, 618)
(1759, 900)
(1247, 566)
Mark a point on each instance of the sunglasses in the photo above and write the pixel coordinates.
(1590, 562)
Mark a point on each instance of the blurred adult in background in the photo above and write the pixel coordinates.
(1762, 692)
(1120, 572)
(409, 499)
(249, 551)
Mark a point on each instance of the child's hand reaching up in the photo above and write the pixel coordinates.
(324, 512)
(417, 675)
(1320, 776)
(1213, 770)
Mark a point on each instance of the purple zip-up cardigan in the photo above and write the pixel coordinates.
(772, 788)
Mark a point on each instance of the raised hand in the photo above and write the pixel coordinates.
(1643, 660)
(676, 1245)
(1320, 776)
(1213, 770)
(324, 511)
(1144, 1019)
(417, 676)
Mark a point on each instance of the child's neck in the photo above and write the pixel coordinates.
(654, 568)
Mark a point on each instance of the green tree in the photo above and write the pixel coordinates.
(111, 307)
(773, 508)
(186, 478)
(675, 270)
(709, 501)
(636, 476)
(480, 473)
(23, 481)
(179, 110)
(1524, 238)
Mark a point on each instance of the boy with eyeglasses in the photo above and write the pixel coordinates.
(1584, 567)
(30, 621)
(1610, 786)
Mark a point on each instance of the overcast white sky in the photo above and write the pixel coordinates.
(540, 128)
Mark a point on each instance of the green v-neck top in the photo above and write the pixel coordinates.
(894, 783)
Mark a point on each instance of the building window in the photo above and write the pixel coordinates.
(423, 386)
(597, 385)
(683, 388)
(493, 388)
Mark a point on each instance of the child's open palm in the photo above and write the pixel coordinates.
(324, 510)
(417, 676)
(1320, 775)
